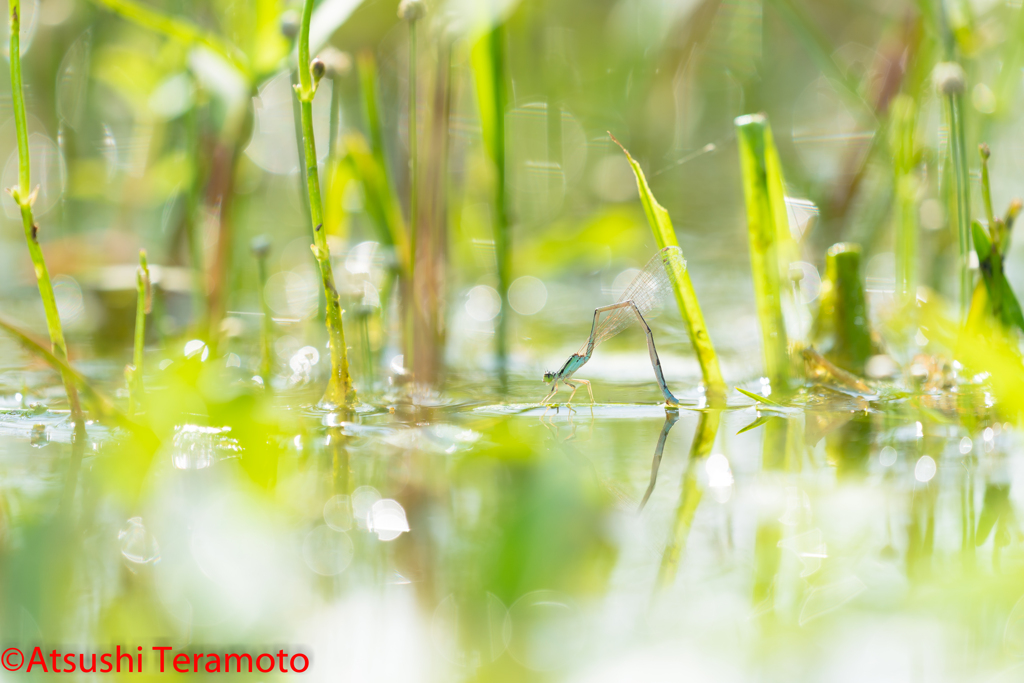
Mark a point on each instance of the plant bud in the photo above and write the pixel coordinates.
(949, 78)
(260, 246)
(290, 22)
(984, 151)
(1013, 212)
(318, 69)
(411, 10)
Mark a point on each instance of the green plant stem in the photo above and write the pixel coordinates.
(986, 188)
(961, 179)
(904, 119)
(267, 329)
(489, 69)
(766, 220)
(367, 67)
(143, 305)
(413, 151)
(25, 197)
(503, 241)
(841, 329)
(340, 392)
(104, 407)
(995, 232)
(686, 297)
(300, 151)
(192, 201)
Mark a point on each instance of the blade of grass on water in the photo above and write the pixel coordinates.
(686, 297)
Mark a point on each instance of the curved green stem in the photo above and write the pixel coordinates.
(339, 390)
(25, 197)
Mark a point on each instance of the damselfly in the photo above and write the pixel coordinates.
(651, 287)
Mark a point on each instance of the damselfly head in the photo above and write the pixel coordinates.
(549, 376)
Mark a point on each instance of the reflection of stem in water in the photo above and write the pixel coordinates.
(781, 451)
(996, 513)
(921, 532)
(766, 562)
(71, 482)
(671, 417)
(689, 498)
(967, 543)
(849, 446)
(339, 461)
(775, 450)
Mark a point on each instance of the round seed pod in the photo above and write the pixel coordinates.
(289, 24)
(317, 68)
(260, 246)
(411, 10)
(949, 78)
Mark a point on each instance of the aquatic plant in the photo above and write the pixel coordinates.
(686, 297)
(25, 197)
(841, 329)
(903, 123)
(951, 82)
(143, 306)
(768, 228)
(261, 249)
(339, 392)
(489, 76)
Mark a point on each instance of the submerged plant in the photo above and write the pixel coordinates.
(339, 391)
(682, 287)
(25, 198)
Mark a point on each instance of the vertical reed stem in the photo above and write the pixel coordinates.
(260, 249)
(489, 67)
(904, 119)
(25, 198)
(841, 330)
(503, 241)
(143, 305)
(766, 219)
(340, 392)
(413, 148)
(958, 144)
